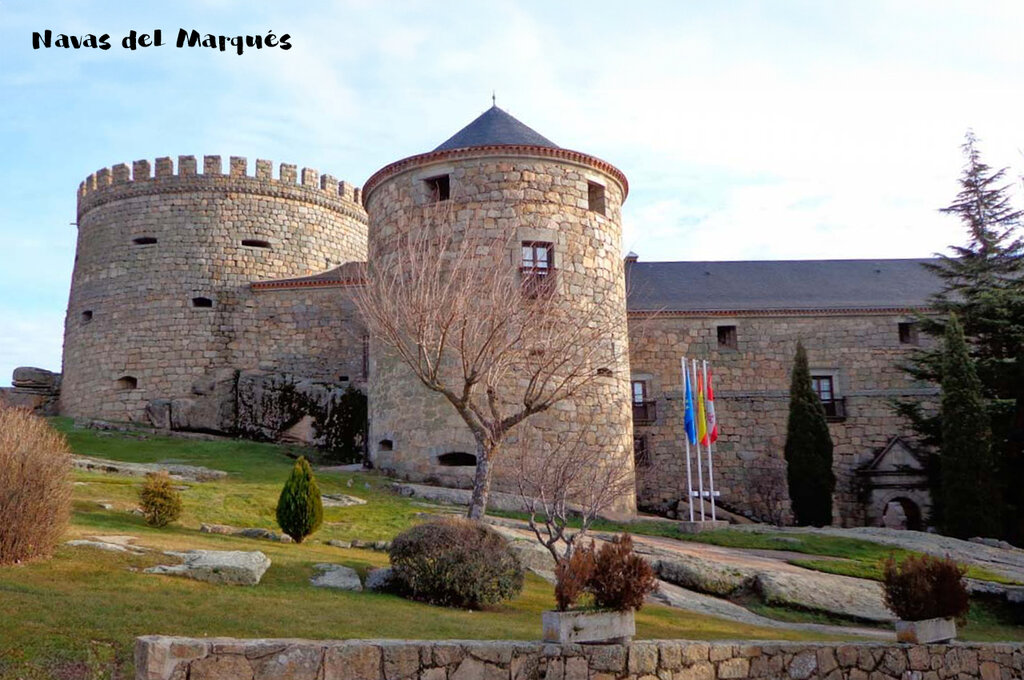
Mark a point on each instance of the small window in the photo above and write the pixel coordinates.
(343, 378)
(604, 372)
(727, 337)
(127, 382)
(202, 302)
(456, 459)
(824, 387)
(639, 391)
(87, 316)
(385, 445)
(641, 454)
(255, 243)
(438, 188)
(595, 197)
(908, 333)
(144, 241)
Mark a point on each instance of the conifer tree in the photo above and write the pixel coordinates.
(808, 449)
(983, 285)
(300, 510)
(970, 494)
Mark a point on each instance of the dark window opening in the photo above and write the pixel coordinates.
(537, 268)
(255, 243)
(87, 316)
(595, 197)
(641, 454)
(385, 445)
(456, 459)
(343, 378)
(439, 188)
(202, 302)
(605, 372)
(644, 409)
(144, 241)
(127, 382)
(727, 337)
(366, 358)
(908, 333)
(824, 387)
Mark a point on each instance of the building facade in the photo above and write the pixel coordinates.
(198, 299)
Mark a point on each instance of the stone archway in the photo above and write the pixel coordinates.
(902, 513)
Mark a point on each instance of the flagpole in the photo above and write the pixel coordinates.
(711, 468)
(686, 438)
(700, 473)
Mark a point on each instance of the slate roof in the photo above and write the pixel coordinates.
(495, 127)
(779, 285)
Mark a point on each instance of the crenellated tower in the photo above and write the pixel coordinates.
(161, 294)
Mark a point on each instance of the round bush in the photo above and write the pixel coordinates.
(35, 492)
(925, 587)
(160, 501)
(455, 563)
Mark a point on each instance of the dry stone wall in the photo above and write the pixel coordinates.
(861, 351)
(160, 293)
(511, 197)
(168, 658)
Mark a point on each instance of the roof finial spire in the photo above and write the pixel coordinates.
(494, 98)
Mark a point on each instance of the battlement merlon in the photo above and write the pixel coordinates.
(141, 177)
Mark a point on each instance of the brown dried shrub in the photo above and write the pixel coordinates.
(159, 500)
(621, 578)
(573, 576)
(35, 491)
(925, 587)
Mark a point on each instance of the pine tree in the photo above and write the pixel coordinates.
(808, 449)
(983, 285)
(300, 510)
(970, 494)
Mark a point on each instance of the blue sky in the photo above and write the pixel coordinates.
(748, 130)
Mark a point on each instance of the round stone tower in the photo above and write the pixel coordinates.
(561, 209)
(160, 291)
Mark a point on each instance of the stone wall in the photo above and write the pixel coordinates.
(861, 350)
(167, 658)
(160, 293)
(505, 196)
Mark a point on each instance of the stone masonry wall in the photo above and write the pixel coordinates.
(149, 244)
(498, 193)
(168, 658)
(862, 351)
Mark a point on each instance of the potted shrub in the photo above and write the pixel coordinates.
(614, 579)
(928, 595)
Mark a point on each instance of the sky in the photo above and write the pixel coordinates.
(791, 129)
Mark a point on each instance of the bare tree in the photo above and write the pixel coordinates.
(500, 345)
(568, 480)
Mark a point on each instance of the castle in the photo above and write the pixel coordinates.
(221, 301)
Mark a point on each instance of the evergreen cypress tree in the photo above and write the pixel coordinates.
(808, 449)
(983, 284)
(970, 494)
(300, 510)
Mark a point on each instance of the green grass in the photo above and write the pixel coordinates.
(77, 614)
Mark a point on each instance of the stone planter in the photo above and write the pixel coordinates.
(926, 632)
(588, 626)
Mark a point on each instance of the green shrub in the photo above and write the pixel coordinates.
(455, 563)
(300, 510)
(621, 579)
(35, 492)
(925, 587)
(160, 502)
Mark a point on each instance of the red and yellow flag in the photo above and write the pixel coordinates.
(712, 421)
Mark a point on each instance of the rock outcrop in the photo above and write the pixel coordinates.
(231, 567)
(34, 389)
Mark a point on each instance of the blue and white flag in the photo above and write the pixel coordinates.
(689, 416)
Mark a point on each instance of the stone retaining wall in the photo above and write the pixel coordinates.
(169, 658)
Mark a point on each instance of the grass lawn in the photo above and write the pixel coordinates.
(76, 615)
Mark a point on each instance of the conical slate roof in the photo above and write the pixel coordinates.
(495, 127)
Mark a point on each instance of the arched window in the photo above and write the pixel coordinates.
(255, 243)
(456, 459)
(385, 445)
(127, 382)
(202, 302)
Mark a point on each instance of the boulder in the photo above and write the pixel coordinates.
(378, 579)
(336, 576)
(29, 377)
(158, 413)
(340, 500)
(254, 532)
(843, 595)
(704, 576)
(232, 567)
